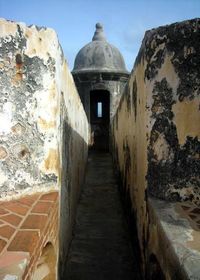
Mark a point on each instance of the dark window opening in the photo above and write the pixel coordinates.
(100, 119)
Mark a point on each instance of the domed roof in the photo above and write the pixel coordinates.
(99, 56)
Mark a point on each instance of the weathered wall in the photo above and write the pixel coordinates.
(74, 152)
(156, 130)
(44, 129)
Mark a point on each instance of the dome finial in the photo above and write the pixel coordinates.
(99, 34)
(99, 25)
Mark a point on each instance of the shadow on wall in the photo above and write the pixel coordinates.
(154, 271)
(74, 158)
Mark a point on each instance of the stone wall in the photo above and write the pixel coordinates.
(44, 129)
(156, 130)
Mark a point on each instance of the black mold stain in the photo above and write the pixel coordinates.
(66, 157)
(127, 162)
(181, 41)
(162, 100)
(127, 97)
(12, 44)
(20, 38)
(181, 168)
(188, 162)
(152, 67)
(19, 30)
(134, 97)
(184, 43)
(18, 59)
(130, 213)
(51, 66)
(34, 68)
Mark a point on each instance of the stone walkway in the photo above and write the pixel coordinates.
(101, 248)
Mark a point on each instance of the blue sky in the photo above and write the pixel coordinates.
(125, 21)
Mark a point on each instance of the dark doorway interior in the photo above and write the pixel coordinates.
(100, 119)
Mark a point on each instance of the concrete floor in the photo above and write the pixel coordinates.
(101, 247)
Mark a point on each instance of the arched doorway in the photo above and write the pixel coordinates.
(100, 119)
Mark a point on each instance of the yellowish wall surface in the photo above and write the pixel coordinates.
(156, 130)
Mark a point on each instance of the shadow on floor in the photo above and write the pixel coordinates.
(101, 247)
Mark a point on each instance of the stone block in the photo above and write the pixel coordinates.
(12, 219)
(21, 241)
(49, 196)
(15, 207)
(6, 231)
(42, 207)
(35, 222)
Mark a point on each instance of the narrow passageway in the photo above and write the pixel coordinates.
(101, 247)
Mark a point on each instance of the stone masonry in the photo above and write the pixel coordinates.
(42, 125)
(156, 148)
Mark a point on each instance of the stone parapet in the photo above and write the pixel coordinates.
(156, 129)
(43, 134)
